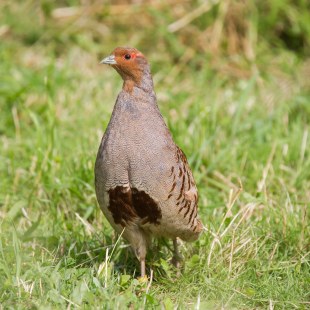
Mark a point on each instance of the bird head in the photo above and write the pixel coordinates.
(129, 63)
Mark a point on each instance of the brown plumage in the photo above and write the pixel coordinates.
(143, 181)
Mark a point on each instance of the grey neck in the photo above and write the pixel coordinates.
(146, 83)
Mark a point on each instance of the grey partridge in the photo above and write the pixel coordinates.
(143, 181)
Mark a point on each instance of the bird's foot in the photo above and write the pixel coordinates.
(143, 279)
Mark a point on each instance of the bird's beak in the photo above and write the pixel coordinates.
(110, 60)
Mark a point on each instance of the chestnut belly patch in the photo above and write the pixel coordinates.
(127, 204)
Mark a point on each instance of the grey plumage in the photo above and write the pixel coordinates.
(143, 181)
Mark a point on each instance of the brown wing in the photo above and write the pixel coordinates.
(184, 190)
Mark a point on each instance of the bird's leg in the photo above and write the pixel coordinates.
(142, 267)
(177, 258)
(140, 250)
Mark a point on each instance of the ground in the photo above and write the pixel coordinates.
(241, 113)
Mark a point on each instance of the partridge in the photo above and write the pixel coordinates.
(144, 184)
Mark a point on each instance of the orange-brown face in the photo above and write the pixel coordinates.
(128, 62)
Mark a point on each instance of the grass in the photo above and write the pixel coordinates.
(238, 107)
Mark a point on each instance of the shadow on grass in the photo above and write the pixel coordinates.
(92, 251)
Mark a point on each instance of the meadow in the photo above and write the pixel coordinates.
(232, 80)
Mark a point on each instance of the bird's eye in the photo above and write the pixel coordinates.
(127, 56)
